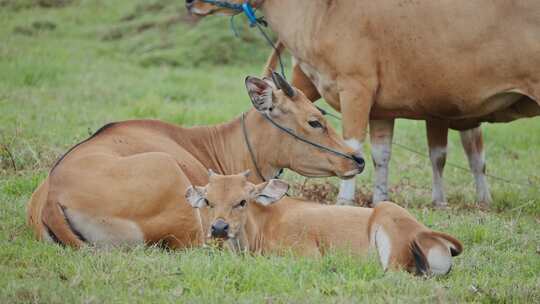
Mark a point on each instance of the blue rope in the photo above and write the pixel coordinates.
(248, 10)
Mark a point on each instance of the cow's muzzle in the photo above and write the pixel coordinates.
(360, 162)
(220, 229)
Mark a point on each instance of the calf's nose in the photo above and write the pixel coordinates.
(220, 229)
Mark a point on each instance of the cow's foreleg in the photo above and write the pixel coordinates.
(473, 145)
(355, 104)
(381, 132)
(300, 80)
(437, 135)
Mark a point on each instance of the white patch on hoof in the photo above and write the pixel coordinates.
(439, 260)
(347, 187)
(103, 231)
(355, 145)
(46, 237)
(346, 192)
(437, 156)
(380, 153)
(383, 245)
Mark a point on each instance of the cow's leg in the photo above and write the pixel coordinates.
(437, 135)
(381, 132)
(473, 145)
(301, 81)
(355, 103)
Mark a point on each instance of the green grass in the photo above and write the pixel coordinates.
(59, 84)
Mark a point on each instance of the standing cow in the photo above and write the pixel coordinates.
(461, 61)
(381, 133)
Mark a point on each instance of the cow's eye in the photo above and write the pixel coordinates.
(315, 124)
(242, 204)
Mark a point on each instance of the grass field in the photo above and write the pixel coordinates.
(67, 70)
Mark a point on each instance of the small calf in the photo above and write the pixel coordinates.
(257, 218)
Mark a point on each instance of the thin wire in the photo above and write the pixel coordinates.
(457, 166)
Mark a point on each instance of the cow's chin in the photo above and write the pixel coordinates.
(234, 245)
(349, 174)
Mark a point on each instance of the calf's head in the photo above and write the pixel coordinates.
(223, 205)
(287, 107)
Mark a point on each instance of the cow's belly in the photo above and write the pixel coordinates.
(417, 105)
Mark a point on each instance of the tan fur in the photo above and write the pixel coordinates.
(308, 228)
(134, 174)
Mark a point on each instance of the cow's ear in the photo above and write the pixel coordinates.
(196, 196)
(270, 192)
(453, 244)
(260, 92)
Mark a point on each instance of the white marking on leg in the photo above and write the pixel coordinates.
(383, 245)
(347, 187)
(46, 237)
(437, 156)
(103, 231)
(380, 153)
(477, 163)
(439, 260)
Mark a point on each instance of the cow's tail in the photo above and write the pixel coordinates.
(273, 59)
(57, 226)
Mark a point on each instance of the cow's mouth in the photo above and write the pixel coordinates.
(349, 174)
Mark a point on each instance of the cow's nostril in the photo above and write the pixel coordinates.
(220, 229)
(359, 161)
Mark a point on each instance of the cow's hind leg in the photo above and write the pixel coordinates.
(381, 132)
(473, 145)
(437, 135)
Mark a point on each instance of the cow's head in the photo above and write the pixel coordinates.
(225, 202)
(222, 7)
(289, 108)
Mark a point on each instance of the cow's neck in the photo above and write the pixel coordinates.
(284, 18)
(254, 236)
(223, 147)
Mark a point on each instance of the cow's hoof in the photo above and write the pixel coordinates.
(440, 205)
(345, 202)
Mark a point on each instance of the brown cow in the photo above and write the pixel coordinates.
(381, 133)
(461, 61)
(246, 217)
(126, 183)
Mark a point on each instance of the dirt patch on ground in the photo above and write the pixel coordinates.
(326, 193)
(35, 28)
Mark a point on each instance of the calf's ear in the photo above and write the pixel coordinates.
(270, 192)
(196, 196)
(261, 93)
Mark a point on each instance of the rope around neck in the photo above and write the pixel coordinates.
(250, 149)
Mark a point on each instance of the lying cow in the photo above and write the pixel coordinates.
(249, 217)
(461, 61)
(126, 183)
(381, 133)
